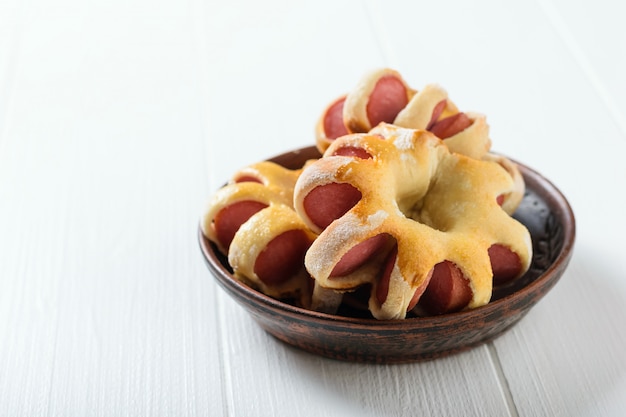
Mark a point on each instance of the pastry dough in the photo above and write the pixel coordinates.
(383, 206)
(417, 113)
(268, 189)
(434, 205)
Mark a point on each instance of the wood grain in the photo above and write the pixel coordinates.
(119, 119)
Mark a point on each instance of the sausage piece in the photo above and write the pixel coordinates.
(505, 263)
(451, 125)
(358, 255)
(382, 289)
(333, 120)
(439, 108)
(229, 219)
(328, 202)
(248, 178)
(353, 151)
(282, 258)
(387, 99)
(448, 290)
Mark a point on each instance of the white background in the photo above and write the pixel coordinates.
(118, 119)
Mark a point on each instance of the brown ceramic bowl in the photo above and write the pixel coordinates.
(544, 211)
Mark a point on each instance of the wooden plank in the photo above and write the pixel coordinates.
(594, 36)
(11, 28)
(270, 74)
(106, 307)
(574, 363)
(118, 120)
(271, 378)
(565, 358)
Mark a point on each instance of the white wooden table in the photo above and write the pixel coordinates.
(118, 119)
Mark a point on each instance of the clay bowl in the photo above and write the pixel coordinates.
(349, 336)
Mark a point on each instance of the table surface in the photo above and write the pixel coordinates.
(119, 119)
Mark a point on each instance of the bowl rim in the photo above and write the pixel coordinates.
(557, 201)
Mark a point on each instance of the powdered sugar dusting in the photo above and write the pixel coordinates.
(404, 139)
(325, 170)
(376, 219)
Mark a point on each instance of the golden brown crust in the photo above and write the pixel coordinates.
(436, 200)
(512, 199)
(275, 189)
(473, 141)
(437, 205)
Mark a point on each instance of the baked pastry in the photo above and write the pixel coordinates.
(395, 209)
(407, 201)
(382, 96)
(252, 221)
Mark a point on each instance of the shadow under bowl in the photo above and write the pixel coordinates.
(544, 211)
